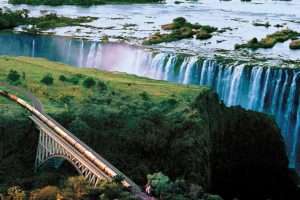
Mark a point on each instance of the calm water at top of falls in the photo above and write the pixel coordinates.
(149, 17)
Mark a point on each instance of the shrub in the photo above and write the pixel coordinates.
(13, 76)
(295, 44)
(202, 35)
(16, 192)
(145, 96)
(48, 79)
(46, 193)
(179, 22)
(63, 78)
(89, 82)
(102, 86)
(75, 80)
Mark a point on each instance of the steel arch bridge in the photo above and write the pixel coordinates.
(57, 142)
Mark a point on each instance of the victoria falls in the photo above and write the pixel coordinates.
(149, 99)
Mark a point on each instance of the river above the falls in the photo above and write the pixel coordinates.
(148, 18)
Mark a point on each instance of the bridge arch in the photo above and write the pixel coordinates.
(63, 158)
(50, 146)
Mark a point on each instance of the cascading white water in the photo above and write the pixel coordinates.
(265, 88)
(81, 54)
(293, 157)
(235, 86)
(255, 87)
(91, 56)
(189, 66)
(33, 48)
(69, 51)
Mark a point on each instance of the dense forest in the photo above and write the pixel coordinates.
(227, 151)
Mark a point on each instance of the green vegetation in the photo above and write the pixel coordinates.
(295, 44)
(89, 82)
(11, 19)
(71, 188)
(47, 79)
(63, 78)
(160, 186)
(78, 2)
(270, 40)
(181, 29)
(13, 76)
(144, 126)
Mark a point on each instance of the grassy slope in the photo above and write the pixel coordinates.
(35, 69)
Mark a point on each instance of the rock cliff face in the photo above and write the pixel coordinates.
(248, 157)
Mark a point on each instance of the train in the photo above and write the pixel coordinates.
(89, 155)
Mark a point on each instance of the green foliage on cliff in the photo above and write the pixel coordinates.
(143, 126)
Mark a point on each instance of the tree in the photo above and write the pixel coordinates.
(75, 188)
(46, 193)
(118, 178)
(16, 193)
(159, 183)
(48, 79)
(89, 82)
(13, 76)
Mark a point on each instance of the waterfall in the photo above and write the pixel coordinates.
(33, 48)
(265, 90)
(290, 106)
(182, 69)
(279, 78)
(81, 51)
(98, 58)
(91, 56)
(235, 85)
(69, 49)
(293, 158)
(255, 87)
(168, 67)
(189, 66)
